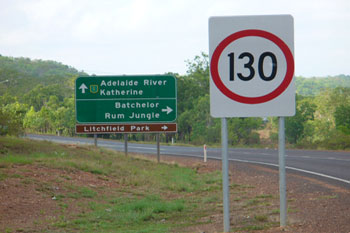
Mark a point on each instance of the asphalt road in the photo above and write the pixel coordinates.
(332, 167)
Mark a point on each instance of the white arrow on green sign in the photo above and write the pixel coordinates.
(121, 99)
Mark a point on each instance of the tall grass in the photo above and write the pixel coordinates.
(149, 214)
(151, 197)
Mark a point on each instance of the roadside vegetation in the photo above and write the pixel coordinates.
(39, 98)
(69, 188)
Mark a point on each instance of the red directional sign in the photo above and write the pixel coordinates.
(125, 128)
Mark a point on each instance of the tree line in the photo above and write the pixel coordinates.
(46, 105)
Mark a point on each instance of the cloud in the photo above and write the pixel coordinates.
(161, 34)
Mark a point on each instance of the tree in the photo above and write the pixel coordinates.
(205, 128)
(195, 84)
(11, 118)
(185, 126)
(65, 117)
(241, 130)
(193, 101)
(40, 95)
(324, 118)
(295, 126)
(33, 121)
(25, 74)
(342, 118)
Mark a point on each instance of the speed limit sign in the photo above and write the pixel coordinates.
(251, 66)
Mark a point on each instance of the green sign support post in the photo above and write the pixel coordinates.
(126, 99)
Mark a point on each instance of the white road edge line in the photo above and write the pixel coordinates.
(295, 169)
(275, 165)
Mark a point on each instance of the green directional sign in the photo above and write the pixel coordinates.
(122, 99)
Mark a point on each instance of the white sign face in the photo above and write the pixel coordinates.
(251, 66)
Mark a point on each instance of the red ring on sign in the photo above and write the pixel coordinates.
(252, 100)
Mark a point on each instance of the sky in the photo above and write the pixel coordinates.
(114, 37)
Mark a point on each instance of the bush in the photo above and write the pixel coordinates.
(337, 140)
(9, 125)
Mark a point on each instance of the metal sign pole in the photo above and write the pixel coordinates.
(126, 144)
(225, 178)
(158, 148)
(282, 172)
(95, 140)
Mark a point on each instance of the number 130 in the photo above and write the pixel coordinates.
(249, 66)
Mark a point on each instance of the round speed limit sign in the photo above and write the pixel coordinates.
(251, 66)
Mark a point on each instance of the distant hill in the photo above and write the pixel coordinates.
(25, 74)
(313, 86)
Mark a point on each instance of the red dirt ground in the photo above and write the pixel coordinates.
(28, 197)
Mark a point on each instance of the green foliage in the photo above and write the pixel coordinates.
(314, 86)
(327, 103)
(39, 98)
(9, 160)
(11, 117)
(193, 85)
(204, 127)
(55, 116)
(342, 118)
(195, 123)
(40, 95)
(241, 130)
(296, 126)
(321, 121)
(25, 74)
(336, 140)
(129, 215)
(33, 120)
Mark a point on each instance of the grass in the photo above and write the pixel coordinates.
(82, 192)
(261, 218)
(327, 197)
(147, 197)
(275, 211)
(148, 214)
(11, 159)
(252, 202)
